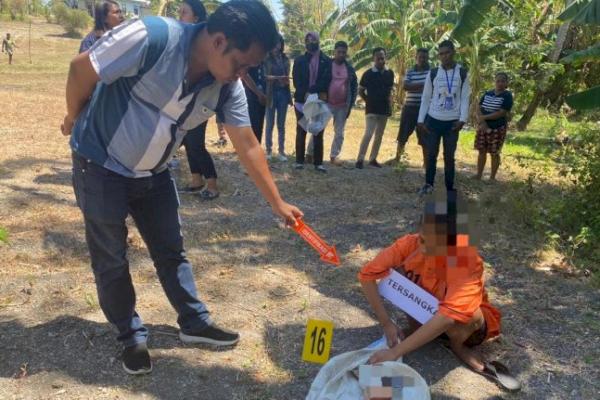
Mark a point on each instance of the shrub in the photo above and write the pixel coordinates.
(72, 20)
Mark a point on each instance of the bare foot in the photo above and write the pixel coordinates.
(468, 356)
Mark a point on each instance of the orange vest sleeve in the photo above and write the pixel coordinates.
(388, 258)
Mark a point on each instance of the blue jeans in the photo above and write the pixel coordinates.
(281, 100)
(105, 199)
(439, 130)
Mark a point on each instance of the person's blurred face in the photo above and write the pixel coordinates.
(186, 14)
(8, 35)
(501, 83)
(340, 54)
(379, 59)
(114, 16)
(312, 43)
(276, 50)
(446, 55)
(422, 59)
(227, 65)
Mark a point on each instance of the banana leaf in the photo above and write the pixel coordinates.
(586, 100)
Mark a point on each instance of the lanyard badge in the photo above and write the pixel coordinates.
(449, 98)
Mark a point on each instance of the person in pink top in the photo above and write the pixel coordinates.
(340, 98)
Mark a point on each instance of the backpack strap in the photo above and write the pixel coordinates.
(462, 72)
(433, 73)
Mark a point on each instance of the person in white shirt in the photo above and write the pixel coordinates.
(443, 113)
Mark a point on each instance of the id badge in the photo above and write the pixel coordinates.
(449, 103)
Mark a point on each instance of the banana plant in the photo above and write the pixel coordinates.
(583, 12)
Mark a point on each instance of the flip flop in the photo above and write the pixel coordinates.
(499, 373)
(191, 189)
(208, 195)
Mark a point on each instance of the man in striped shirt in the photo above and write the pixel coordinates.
(413, 85)
(130, 101)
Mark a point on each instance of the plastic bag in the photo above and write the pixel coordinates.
(316, 115)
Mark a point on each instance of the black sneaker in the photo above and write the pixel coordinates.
(136, 359)
(359, 165)
(212, 334)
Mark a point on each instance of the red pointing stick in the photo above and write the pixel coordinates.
(328, 253)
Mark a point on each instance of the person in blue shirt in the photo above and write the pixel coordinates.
(492, 115)
(107, 15)
(131, 99)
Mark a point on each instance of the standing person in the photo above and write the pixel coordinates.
(279, 96)
(375, 89)
(158, 78)
(413, 84)
(107, 15)
(202, 166)
(340, 98)
(444, 111)
(9, 45)
(494, 107)
(255, 85)
(311, 74)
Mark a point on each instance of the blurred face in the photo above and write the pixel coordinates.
(379, 59)
(434, 241)
(422, 59)
(340, 54)
(227, 65)
(501, 83)
(312, 44)
(446, 55)
(114, 17)
(277, 50)
(8, 35)
(186, 14)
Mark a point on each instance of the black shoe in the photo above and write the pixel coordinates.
(359, 165)
(191, 189)
(212, 334)
(375, 164)
(136, 359)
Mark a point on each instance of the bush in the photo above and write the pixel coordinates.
(74, 21)
(17, 9)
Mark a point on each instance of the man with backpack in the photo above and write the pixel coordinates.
(443, 113)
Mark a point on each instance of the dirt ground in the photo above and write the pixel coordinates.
(256, 277)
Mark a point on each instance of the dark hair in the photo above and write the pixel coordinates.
(504, 74)
(443, 215)
(378, 49)
(243, 23)
(101, 12)
(446, 43)
(282, 43)
(197, 8)
(342, 44)
(422, 50)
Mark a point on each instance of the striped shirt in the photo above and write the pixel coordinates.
(141, 109)
(413, 98)
(491, 102)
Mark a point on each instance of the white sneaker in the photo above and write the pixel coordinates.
(269, 156)
(282, 158)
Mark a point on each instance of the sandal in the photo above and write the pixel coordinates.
(191, 189)
(208, 195)
(498, 372)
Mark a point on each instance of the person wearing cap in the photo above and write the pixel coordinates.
(311, 74)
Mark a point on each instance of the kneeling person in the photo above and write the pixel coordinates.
(448, 267)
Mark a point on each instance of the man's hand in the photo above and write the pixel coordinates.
(67, 126)
(262, 99)
(392, 333)
(422, 128)
(457, 126)
(288, 212)
(382, 356)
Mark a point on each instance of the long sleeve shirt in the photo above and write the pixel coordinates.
(434, 100)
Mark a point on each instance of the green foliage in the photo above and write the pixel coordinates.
(472, 14)
(74, 21)
(17, 9)
(586, 100)
(582, 12)
(3, 235)
(300, 17)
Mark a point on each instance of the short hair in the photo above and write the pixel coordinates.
(342, 44)
(422, 50)
(446, 215)
(101, 12)
(378, 49)
(504, 74)
(244, 22)
(446, 43)
(197, 8)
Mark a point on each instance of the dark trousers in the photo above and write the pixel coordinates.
(198, 156)
(301, 143)
(257, 117)
(105, 199)
(439, 130)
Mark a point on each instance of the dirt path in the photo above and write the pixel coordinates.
(256, 277)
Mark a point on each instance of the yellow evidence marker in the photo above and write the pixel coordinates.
(317, 341)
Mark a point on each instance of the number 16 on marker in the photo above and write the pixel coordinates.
(317, 341)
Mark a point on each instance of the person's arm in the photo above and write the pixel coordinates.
(253, 159)
(413, 86)
(465, 97)
(425, 334)
(498, 114)
(249, 81)
(364, 81)
(81, 81)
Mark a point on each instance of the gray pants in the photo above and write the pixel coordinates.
(375, 124)
(339, 125)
